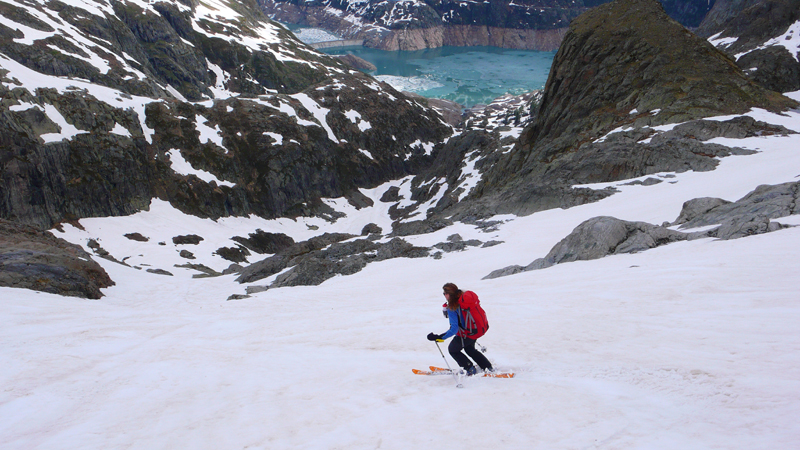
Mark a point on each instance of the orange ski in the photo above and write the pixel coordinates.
(441, 370)
(431, 372)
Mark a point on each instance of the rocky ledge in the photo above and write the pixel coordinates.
(603, 236)
(37, 260)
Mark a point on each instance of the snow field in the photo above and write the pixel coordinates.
(691, 345)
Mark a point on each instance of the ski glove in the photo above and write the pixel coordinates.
(434, 337)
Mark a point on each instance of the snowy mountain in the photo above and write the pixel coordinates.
(419, 24)
(114, 105)
(208, 106)
(268, 256)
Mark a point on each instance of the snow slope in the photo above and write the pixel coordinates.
(693, 345)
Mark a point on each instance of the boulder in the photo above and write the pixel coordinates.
(599, 237)
(766, 201)
(697, 207)
(189, 239)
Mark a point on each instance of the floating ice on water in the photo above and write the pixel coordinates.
(409, 84)
(314, 35)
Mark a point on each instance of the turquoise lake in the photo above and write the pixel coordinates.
(467, 75)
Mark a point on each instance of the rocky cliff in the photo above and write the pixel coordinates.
(100, 107)
(762, 36)
(624, 67)
(415, 24)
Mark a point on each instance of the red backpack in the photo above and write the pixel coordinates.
(473, 323)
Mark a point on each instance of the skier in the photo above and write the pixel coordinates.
(467, 324)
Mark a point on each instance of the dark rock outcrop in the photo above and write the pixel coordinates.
(137, 237)
(159, 272)
(744, 27)
(371, 229)
(236, 254)
(312, 262)
(455, 243)
(188, 239)
(37, 260)
(282, 259)
(772, 67)
(263, 242)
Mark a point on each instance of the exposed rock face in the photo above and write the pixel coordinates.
(603, 236)
(749, 22)
(755, 30)
(624, 63)
(159, 43)
(102, 173)
(468, 36)
(281, 165)
(415, 25)
(625, 155)
(96, 173)
(281, 109)
(628, 55)
(772, 67)
(37, 260)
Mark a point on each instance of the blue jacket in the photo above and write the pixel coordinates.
(453, 317)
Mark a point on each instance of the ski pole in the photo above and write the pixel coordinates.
(483, 350)
(458, 383)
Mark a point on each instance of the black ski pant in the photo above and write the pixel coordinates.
(468, 345)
